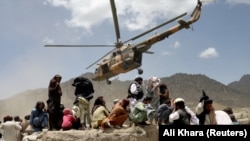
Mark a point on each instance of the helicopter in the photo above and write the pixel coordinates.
(126, 57)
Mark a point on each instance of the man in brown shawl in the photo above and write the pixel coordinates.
(117, 116)
(55, 108)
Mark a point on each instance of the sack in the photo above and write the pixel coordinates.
(83, 82)
(84, 87)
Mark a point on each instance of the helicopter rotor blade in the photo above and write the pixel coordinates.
(79, 45)
(114, 13)
(152, 29)
(100, 59)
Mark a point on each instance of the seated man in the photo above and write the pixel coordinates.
(229, 111)
(99, 112)
(117, 116)
(163, 112)
(39, 117)
(139, 113)
(182, 114)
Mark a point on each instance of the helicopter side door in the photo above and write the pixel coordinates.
(105, 68)
(137, 56)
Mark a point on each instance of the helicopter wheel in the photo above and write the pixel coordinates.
(140, 71)
(108, 82)
(125, 66)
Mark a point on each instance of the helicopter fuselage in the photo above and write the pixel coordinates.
(120, 61)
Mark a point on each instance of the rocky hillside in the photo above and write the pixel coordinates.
(187, 86)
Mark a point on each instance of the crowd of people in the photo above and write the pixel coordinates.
(139, 107)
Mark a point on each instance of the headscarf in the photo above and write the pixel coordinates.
(125, 103)
(98, 102)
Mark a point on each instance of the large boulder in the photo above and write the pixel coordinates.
(243, 115)
(134, 133)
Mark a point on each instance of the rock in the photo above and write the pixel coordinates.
(244, 121)
(134, 133)
(243, 115)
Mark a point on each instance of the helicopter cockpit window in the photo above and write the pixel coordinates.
(114, 54)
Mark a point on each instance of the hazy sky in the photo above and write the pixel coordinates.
(217, 45)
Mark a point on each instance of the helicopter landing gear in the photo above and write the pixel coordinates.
(108, 82)
(140, 71)
(125, 66)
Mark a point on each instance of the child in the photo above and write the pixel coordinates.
(68, 119)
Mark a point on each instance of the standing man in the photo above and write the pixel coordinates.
(54, 103)
(153, 91)
(205, 110)
(84, 92)
(159, 93)
(135, 92)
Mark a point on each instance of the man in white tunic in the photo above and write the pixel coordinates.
(10, 129)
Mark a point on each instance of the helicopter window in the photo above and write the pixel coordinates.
(137, 57)
(114, 54)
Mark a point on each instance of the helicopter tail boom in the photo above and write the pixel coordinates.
(182, 24)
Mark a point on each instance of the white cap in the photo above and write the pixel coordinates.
(178, 100)
(116, 100)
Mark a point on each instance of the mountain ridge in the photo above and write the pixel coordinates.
(187, 86)
(241, 85)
